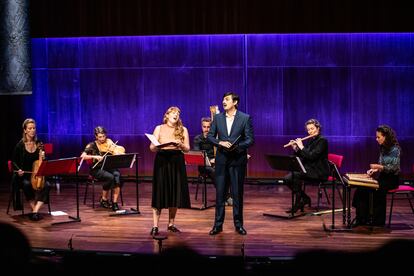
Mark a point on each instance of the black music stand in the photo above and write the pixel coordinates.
(286, 163)
(65, 166)
(120, 161)
(337, 176)
(198, 158)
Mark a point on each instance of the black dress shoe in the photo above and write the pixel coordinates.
(215, 230)
(174, 229)
(358, 222)
(241, 230)
(35, 216)
(154, 231)
(306, 201)
(104, 203)
(115, 206)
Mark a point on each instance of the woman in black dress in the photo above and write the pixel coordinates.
(170, 186)
(27, 151)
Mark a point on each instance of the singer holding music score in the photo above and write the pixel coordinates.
(96, 151)
(387, 173)
(26, 153)
(314, 156)
(169, 183)
(232, 133)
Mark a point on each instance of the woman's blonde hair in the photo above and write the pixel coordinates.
(24, 126)
(179, 128)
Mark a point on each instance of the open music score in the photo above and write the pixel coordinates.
(155, 142)
(361, 179)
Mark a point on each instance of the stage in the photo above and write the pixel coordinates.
(267, 236)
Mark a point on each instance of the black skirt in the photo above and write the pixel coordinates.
(169, 184)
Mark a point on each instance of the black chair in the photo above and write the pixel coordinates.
(323, 185)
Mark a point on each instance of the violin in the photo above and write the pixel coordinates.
(38, 182)
(109, 147)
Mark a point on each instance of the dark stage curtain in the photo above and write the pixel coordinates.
(63, 18)
(15, 65)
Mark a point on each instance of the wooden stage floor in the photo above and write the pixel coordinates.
(267, 236)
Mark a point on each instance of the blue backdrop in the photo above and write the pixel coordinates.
(350, 82)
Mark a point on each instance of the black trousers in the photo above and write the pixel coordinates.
(295, 182)
(111, 179)
(235, 176)
(35, 195)
(361, 200)
(361, 203)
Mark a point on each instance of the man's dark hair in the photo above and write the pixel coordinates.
(234, 97)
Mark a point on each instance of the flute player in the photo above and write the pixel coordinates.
(314, 156)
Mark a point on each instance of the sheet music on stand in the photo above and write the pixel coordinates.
(120, 161)
(286, 163)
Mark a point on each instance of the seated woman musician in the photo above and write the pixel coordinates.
(387, 172)
(27, 156)
(314, 156)
(96, 151)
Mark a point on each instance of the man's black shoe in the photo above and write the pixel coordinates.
(241, 230)
(215, 230)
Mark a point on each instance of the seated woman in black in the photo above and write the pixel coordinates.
(387, 173)
(314, 156)
(27, 151)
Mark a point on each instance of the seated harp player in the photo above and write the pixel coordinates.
(111, 179)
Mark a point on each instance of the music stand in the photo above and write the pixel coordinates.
(286, 163)
(335, 171)
(63, 166)
(199, 158)
(120, 161)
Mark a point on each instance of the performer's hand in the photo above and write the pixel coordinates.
(178, 143)
(371, 171)
(212, 161)
(293, 145)
(377, 167)
(299, 143)
(225, 144)
(98, 158)
(20, 172)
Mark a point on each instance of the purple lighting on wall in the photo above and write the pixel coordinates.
(350, 82)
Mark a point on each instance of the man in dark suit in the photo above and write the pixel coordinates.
(232, 133)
